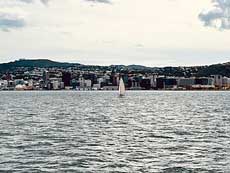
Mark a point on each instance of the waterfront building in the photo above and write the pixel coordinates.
(186, 82)
(55, 85)
(96, 86)
(153, 80)
(145, 84)
(203, 87)
(100, 80)
(170, 83)
(11, 85)
(74, 83)
(166, 83)
(110, 88)
(226, 82)
(88, 83)
(19, 82)
(218, 81)
(160, 83)
(135, 84)
(66, 78)
(81, 82)
(62, 85)
(3, 84)
(204, 81)
(85, 83)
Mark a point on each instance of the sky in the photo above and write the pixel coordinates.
(105, 32)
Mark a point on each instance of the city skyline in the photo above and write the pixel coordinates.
(48, 75)
(104, 32)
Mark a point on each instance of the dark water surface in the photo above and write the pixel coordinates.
(99, 132)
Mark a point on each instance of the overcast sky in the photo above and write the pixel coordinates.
(104, 32)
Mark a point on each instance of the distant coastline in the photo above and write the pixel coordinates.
(43, 74)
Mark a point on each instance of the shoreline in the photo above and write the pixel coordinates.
(112, 90)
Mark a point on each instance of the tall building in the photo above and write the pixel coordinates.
(45, 76)
(66, 78)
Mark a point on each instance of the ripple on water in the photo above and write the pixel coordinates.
(99, 132)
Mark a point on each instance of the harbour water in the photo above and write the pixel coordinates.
(72, 131)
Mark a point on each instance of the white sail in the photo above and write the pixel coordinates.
(121, 88)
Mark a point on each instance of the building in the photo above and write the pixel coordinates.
(66, 78)
(146, 84)
(186, 82)
(19, 82)
(45, 76)
(170, 83)
(88, 83)
(54, 84)
(226, 82)
(160, 83)
(204, 81)
(218, 81)
(110, 88)
(3, 84)
(74, 83)
(166, 83)
(96, 86)
(85, 84)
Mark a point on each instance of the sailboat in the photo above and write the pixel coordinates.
(121, 88)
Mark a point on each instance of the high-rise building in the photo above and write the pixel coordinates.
(66, 78)
(45, 76)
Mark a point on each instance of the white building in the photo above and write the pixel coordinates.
(3, 84)
(106, 77)
(56, 85)
(100, 80)
(153, 81)
(218, 80)
(96, 86)
(62, 85)
(226, 82)
(85, 84)
(81, 82)
(88, 83)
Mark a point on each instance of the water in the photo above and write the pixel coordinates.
(99, 132)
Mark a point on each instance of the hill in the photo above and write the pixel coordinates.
(42, 63)
(221, 69)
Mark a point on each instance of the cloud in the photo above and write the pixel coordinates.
(31, 1)
(217, 17)
(26, 1)
(100, 1)
(47, 1)
(10, 13)
(11, 21)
